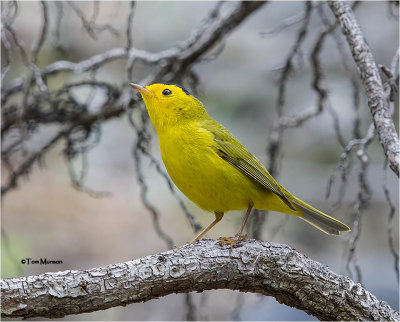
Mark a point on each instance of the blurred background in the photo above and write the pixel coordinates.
(103, 219)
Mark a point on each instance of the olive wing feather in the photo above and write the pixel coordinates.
(231, 150)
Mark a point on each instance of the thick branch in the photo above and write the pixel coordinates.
(252, 266)
(377, 100)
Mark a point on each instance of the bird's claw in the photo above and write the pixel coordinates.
(232, 240)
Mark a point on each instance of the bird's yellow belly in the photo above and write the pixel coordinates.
(203, 176)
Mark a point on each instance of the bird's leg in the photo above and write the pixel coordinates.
(238, 236)
(244, 221)
(218, 217)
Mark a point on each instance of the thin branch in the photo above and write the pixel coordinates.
(392, 74)
(191, 308)
(288, 67)
(218, 30)
(377, 101)
(275, 138)
(7, 18)
(363, 196)
(354, 82)
(192, 220)
(318, 76)
(392, 212)
(57, 28)
(80, 146)
(345, 160)
(43, 33)
(140, 147)
(252, 266)
(90, 24)
(336, 125)
(131, 59)
(129, 25)
(25, 167)
(287, 22)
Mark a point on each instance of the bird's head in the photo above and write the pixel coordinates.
(169, 105)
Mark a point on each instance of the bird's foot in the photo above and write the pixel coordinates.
(232, 240)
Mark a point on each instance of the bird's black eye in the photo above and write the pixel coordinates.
(166, 92)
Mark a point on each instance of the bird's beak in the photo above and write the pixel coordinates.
(143, 90)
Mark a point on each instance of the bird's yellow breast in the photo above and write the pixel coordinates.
(188, 152)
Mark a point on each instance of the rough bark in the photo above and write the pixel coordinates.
(251, 266)
(369, 72)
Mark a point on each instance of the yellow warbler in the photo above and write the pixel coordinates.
(212, 168)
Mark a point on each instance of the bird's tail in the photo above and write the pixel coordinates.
(318, 219)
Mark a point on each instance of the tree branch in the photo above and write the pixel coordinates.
(252, 266)
(369, 72)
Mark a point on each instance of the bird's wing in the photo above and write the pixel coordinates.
(231, 150)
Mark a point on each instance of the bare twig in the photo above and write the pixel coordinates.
(90, 25)
(9, 11)
(369, 73)
(288, 67)
(25, 167)
(139, 149)
(57, 29)
(192, 50)
(345, 163)
(80, 146)
(275, 138)
(363, 197)
(190, 313)
(392, 212)
(287, 22)
(393, 8)
(129, 26)
(155, 215)
(192, 220)
(317, 82)
(43, 33)
(131, 58)
(392, 74)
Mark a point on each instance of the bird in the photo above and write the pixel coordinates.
(213, 168)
